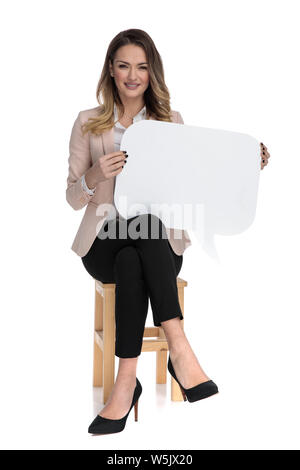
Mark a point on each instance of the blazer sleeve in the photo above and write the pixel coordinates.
(179, 118)
(79, 162)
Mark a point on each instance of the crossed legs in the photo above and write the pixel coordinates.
(131, 291)
(185, 363)
(142, 267)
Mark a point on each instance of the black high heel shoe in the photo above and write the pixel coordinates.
(203, 390)
(102, 425)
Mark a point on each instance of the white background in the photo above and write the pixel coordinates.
(228, 65)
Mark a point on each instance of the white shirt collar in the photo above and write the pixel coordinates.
(138, 117)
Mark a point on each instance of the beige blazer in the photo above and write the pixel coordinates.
(84, 151)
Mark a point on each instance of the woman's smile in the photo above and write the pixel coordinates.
(131, 87)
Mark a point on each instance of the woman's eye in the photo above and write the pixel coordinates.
(121, 66)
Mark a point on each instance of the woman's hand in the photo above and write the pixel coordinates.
(105, 167)
(264, 155)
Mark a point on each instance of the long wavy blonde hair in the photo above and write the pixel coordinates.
(156, 97)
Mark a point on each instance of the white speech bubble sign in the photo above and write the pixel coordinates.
(191, 177)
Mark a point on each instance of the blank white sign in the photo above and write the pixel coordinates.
(194, 178)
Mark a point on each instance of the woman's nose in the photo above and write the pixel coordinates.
(132, 74)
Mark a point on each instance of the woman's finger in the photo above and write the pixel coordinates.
(263, 147)
(265, 154)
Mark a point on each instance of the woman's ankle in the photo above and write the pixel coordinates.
(127, 369)
(178, 345)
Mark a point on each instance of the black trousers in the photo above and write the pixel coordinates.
(141, 268)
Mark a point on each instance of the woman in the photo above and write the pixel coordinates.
(133, 88)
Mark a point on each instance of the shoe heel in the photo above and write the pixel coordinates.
(183, 394)
(136, 410)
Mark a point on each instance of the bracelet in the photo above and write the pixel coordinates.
(86, 189)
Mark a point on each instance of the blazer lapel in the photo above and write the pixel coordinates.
(108, 140)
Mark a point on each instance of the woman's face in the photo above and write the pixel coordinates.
(130, 66)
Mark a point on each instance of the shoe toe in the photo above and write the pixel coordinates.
(203, 390)
(102, 425)
(96, 424)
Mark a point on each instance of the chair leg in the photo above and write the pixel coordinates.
(98, 355)
(161, 361)
(109, 342)
(176, 394)
(161, 367)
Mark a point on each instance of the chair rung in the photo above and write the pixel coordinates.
(155, 344)
(149, 344)
(152, 331)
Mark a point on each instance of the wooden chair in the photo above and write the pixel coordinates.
(104, 341)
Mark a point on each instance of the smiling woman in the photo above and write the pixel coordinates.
(131, 59)
(131, 77)
(131, 87)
